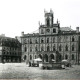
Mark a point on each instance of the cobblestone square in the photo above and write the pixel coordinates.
(22, 71)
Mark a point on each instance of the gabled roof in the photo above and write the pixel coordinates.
(66, 29)
(33, 34)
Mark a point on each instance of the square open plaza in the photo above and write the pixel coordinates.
(22, 71)
(26, 56)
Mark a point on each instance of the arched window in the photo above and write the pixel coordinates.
(42, 41)
(30, 49)
(66, 48)
(42, 48)
(25, 49)
(73, 47)
(72, 56)
(53, 39)
(60, 47)
(47, 40)
(30, 57)
(66, 56)
(30, 41)
(48, 48)
(36, 49)
(54, 49)
(35, 56)
(36, 41)
(73, 39)
(59, 39)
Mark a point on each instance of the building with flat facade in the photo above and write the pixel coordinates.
(51, 42)
(10, 50)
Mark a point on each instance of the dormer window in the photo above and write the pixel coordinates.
(54, 30)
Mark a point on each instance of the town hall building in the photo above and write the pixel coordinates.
(50, 41)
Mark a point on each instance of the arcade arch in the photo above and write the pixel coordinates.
(51, 56)
(40, 56)
(25, 57)
(45, 58)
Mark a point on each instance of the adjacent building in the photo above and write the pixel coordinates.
(10, 50)
(50, 41)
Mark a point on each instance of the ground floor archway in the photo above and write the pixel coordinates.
(45, 58)
(51, 57)
(25, 57)
(40, 56)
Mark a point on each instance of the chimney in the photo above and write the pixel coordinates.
(22, 33)
(77, 29)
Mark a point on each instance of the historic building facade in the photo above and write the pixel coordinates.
(50, 41)
(10, 50)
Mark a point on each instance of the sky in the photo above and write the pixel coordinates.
(17, 16)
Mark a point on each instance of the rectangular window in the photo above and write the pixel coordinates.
(54, 30)
(47, 40)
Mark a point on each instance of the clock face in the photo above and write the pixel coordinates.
(47, 30)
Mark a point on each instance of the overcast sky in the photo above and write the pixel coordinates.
(23, 15)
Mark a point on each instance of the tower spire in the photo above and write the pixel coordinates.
(39, 23)
(57, 21)
(51, 11)
(44, 11)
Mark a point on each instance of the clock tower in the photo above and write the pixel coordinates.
(49, 28)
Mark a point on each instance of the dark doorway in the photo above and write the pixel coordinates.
(46, 58)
